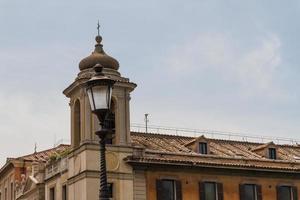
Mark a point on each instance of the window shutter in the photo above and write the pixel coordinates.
(201, 191)
(258, 192)
(242, 192)
(220, 191)
(178, 190)
(159, 192)
(278, 191)
(295, 193)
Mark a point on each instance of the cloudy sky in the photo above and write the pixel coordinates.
(205, 64)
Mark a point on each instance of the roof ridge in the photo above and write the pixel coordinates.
(191, 137)
(160, 134)
(212, 139)
(43, 151)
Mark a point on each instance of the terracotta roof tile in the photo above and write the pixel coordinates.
(44, 156)
(172, 149)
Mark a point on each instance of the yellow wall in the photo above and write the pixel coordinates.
(190, 184)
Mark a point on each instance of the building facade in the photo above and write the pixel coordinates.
(23, 177)
(147, 166)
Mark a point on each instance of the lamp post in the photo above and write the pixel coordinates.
(99, 91)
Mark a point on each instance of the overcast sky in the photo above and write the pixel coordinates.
(205, 64)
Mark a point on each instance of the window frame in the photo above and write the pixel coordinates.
(292, 190)
(219, 193)
(64, 196)
(110, 193)
(77, 120)
(176, 187)
(11, 191)
(272, 153)
(52, 189)
(257, 191)
(111, 122)
(203, 148)
(215, 188)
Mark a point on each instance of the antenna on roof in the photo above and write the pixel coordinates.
(146, 121)
(35, 147)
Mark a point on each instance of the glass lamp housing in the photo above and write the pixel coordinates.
(99, 97)
(99, 91)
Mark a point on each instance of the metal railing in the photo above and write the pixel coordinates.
(226, 135)
(56, 167)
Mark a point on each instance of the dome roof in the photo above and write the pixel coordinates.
(99, 57)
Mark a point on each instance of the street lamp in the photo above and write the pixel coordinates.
(99, 91)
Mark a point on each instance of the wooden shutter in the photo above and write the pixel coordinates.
(178, 190)
(278, 192)
(201, 191)
(159, 192)
(258, 192)
(220, 191)
(295, 193)
(242, 192)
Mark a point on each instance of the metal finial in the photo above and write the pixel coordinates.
(98, 28)
(98, 69)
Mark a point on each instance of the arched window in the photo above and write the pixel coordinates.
(77, 124)
(111, 123)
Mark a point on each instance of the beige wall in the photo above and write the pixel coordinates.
(56, 182)
(83, 172)
(77, 190)
(5, 184)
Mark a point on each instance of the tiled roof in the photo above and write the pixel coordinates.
(171, 149)
(41, 156)
(44, 156)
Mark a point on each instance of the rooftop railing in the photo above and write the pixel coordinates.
(225, 135)
(56, 167)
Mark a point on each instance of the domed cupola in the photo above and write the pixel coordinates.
(83, 122)
(99, 57)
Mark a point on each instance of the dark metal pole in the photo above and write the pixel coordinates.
(146, 121)
(103, 192)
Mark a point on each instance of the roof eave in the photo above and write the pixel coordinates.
(134, 162)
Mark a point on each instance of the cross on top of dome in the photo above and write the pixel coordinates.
(98, 56)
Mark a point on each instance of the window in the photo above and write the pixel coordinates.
(5, 193)
(211, 191)
(203, 147)
(110, 190)
(110, 123)
(52, 193)
(287, 193)
(77, 124)
(250, 192)
(168, 190)
(64, 193)
(272, 153)
(11, 191)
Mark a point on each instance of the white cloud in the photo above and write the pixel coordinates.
(253, 68)
(259, 65)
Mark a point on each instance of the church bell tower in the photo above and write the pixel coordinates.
(83, 123)
(83, 158)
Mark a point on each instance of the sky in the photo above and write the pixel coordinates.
(230, 65)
